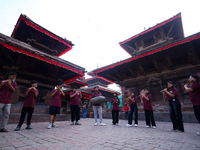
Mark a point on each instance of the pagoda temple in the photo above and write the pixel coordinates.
(33, 53)
(158, 54)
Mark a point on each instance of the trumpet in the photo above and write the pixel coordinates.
(190, 81)
(162, 90)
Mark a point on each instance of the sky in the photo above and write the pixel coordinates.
(97, 26)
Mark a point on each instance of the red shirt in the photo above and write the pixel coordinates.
(30, 98)
(56, 99)
(75, 99)
(95, 95)
(115, 105)
(174, 91)
(6, 93)
(195, 95)
(126, 108)
(147, 105)
(133, 98)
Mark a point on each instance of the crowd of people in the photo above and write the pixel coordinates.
(7, 87)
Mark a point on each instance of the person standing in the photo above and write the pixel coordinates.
(194, 91)
(97, 108)
(29, 104)
(148, 109)
(133, 108)
(126, 110)
(55, 105)
(7, 87)
(115, 110)
(85, 110)
(171, 94)
(74, 105)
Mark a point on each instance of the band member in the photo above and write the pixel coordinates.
(133, 108)
(115, 110)
(29, 104)
(171, 94)
(74, 105)
(7, 87)
(194, 91)
(97, 107)
(148, 109)
(55, 105)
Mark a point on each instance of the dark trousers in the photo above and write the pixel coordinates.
(74, 112)
(175, 114)
(115, 116)
(197, 112)
(125, 114)
(24, 111)
(130, 115)
(149, 118)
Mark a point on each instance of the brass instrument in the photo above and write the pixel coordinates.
(162, 90)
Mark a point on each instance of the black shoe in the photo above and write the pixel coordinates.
(28, 127)
(18, 128)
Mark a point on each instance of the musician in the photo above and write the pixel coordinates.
(115, 110)
(97, 107)
(171, 94)
(148, 109)
(30, 95)
(194, 91)
(7, 87)
(75, 102)
(133, 108)
(55, 105)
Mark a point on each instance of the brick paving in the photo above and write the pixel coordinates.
(110, 137)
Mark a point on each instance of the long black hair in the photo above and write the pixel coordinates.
(196, 77)
(116, 95)
(170, 83)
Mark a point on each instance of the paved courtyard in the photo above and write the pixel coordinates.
(110, 137)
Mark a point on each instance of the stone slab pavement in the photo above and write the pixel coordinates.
(109, 137)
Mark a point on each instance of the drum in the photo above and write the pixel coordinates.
(98, 100)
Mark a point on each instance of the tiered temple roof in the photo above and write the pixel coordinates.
(31, 63)
(157, 36)
(30, 32)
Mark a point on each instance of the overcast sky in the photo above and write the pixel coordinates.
(97, 26)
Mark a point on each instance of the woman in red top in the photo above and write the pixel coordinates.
(115, 110)
(194, 91)
(29, 104)
(171, 94)
(148, 109)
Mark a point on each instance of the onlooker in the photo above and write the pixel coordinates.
(85, 110)
(126, 110)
